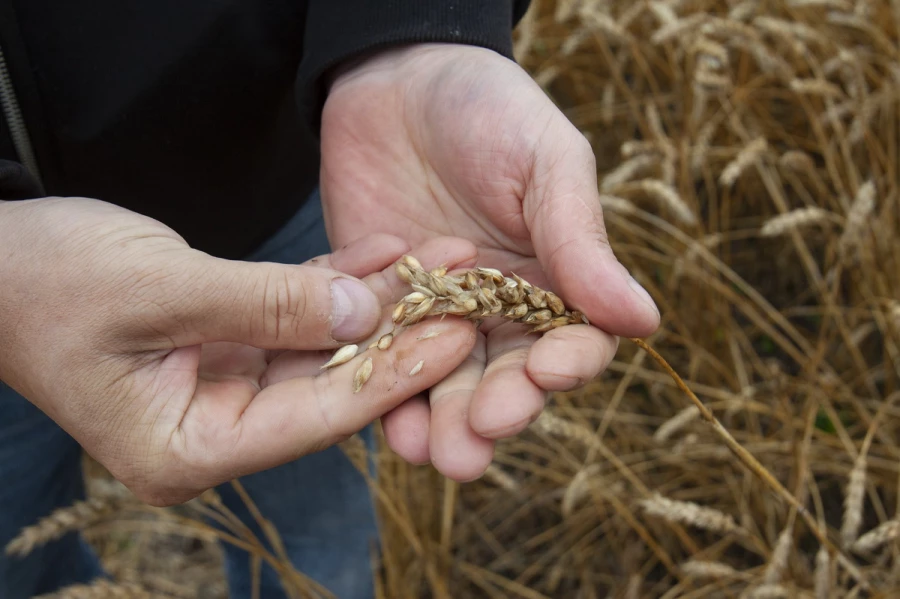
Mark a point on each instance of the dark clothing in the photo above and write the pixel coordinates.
(201, 114)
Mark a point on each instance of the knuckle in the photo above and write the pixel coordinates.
(285, 306)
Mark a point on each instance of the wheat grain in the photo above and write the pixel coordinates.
(99, 589)
(341, 356)
(878, 536)
(688, 513)
(749, 155)
(707, 569)
(795, 219)
(362, 374)
(822, 576)
(853, 501)
(385, 341)
(77, 516)
(676, 423)
(417, 368)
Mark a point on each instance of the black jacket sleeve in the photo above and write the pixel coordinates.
(338, 31)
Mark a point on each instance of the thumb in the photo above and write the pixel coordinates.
(563, 213)
(266, 305)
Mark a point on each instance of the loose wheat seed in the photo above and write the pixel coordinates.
(417, 368)
(385, 341)
(428, 335)
(362, 375)
(341, 356)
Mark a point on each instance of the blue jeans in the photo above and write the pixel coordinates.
(320, 504)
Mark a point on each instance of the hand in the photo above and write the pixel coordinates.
(456, 140)
(154, 355)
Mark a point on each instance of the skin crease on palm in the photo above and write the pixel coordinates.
(435, 140)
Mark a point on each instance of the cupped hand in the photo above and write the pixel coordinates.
(170, 366)
(433, 140)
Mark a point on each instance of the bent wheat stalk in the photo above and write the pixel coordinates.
(748, 460)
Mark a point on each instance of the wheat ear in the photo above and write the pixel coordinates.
(78, 516)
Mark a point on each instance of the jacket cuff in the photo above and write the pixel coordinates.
(334, 37)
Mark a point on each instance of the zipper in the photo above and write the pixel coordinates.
(17, 128)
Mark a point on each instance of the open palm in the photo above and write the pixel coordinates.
(454, 140)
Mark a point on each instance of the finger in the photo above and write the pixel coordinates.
(407, 429)
(457, 451)
(568, 357)
(507, 400)
(562, 209)
(363, 256)
(303, 415)
(266, 305)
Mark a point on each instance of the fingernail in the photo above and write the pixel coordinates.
(642, 293)
(354, 310)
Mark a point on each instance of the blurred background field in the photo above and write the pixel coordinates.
(747, 157)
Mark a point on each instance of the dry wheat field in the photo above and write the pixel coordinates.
(747, 155)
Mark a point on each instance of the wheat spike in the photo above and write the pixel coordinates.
(778, 561)
(816, 87)
(496, 475)
(678, 29)
(627, 170)
(662, 192)
(616, 204)
(77, 516)
(858, 216)
(706, 569)
(477, 294)
(577, 489)
(795, 219)
(853, 501)
(878, 536)
(676, 423)
(768, 591)
(554, 425)
(749, 155)
(99, 589)
(689, 513)
(797, 161)
(822, 577)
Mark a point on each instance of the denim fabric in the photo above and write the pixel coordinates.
(320, 504)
